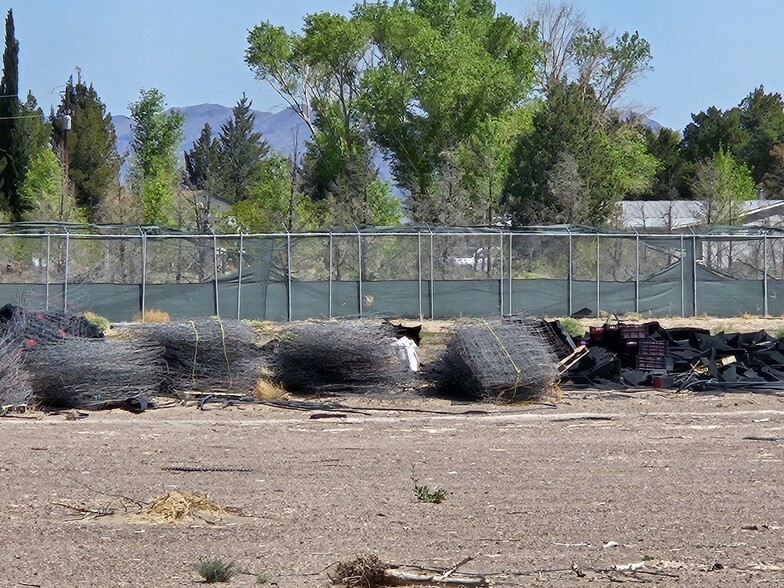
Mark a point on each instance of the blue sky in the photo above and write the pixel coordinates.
(705, 52)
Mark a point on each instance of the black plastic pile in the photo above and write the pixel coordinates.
(683, 358)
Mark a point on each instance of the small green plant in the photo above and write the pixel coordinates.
(216, 570)
(99, 322)
(425, 493)
(572, 327)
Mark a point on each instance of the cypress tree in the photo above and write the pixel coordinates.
(12, 144)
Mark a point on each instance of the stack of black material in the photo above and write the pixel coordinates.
(681, 358)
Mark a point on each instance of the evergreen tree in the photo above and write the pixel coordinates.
(201, 176)
(12, 138)
(241, 153)
(566, 131)
(201, 162)
(89, 147)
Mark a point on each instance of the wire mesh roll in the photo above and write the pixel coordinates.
(94, 373)
(498, 361)
(206, 355)
(348, 356)
(44, 327)
(15, 389)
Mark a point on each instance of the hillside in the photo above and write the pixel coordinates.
(280, 129)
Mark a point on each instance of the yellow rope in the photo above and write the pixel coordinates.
(513, 389)
(225, 352)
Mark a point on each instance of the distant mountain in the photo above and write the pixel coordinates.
(282, 130)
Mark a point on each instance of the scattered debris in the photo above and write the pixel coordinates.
(631, 355)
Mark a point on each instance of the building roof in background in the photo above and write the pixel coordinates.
(682, 214)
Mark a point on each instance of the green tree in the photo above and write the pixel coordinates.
(241, 152)
(594, 58)
(443, 68)
(46, 187)
(156, 135)
(723, 184)
(711, 130)
(202, 178)
(634, 166)
(89, 147)
(567, 128)
(484, 160)
(762, 117)
(13, 144)
(318, 74)
(670, 181)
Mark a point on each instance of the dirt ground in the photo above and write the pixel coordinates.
(686, 486)
(595, 489)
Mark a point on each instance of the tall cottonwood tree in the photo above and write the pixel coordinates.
(442, 70)
(591, 57)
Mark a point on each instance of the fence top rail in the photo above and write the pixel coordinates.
(90, 231)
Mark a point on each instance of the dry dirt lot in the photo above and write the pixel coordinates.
(689, 486)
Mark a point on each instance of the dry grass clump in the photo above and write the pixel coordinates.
(175, 506)
(152, 315)
(365, 571)
(267, 390)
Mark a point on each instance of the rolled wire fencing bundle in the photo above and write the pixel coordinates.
(206, 355)
(15, 388)
(94, 373)
(497, 361)
(351, 356)
(40, 326)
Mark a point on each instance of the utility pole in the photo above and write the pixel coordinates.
(66, 121)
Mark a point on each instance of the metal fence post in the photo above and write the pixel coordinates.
(359, 264)
(144, 271)
(569, 276)
(65, 280)
(501, 269)
(510, 273)
(239, 275)
(48, 261)
(330, 273)
(288, 276)
(419, 272)
(636, 271)
(683, 278)
(432, 279)
(765, 275)
(215, 271)
(694, 269)
(598, 296)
